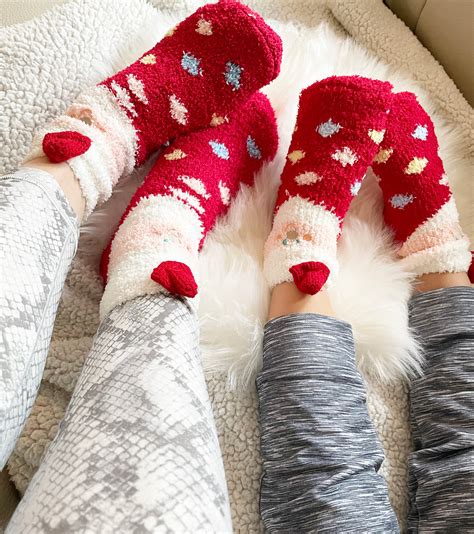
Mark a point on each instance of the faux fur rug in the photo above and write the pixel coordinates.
(80, 43)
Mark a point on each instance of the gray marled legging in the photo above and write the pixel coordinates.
(320, 452)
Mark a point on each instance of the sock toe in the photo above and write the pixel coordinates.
(310, 276)
(271, 43)
(176, 277)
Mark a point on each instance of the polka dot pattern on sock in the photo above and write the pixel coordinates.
(383, 155)
(420, 132)
(190, 186)
(252, 148)
(148, 59)
(233, 74)
(174, 155)
(178, 110)
(225, 193)
(204, 27)
(211, 62)
(217, 120)
(191, 64)
(400, 201)
(376, 136)
(416, 165)
(307, 178)
(345, 156)
(296, 155)
(328, 128)
(355, 188)
(219, 149)
(340, 123)
(418, 204)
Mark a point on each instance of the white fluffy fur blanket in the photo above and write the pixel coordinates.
(47, 61)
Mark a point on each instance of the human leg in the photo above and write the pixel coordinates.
(137, 448)
(441, 408)
(108, 130)
(38, 237)
(421, 211)
(320, 452)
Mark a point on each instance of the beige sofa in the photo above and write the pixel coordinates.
(446, 28)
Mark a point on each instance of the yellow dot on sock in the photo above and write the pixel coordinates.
(149, 59)
(376, 136)
(296, 156)
(176, 154)
(416, 166)
(170, 32)
(204, 27)
(217, 120)
(383, 155)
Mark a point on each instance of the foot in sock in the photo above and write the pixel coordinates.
(200, 72)
(340, 123)
(418, 203)
(192, 183)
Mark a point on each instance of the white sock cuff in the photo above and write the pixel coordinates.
(449, 257)
(113, 147)
(157, 229)
(131, 277)
(301, 232)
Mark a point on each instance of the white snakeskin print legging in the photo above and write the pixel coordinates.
(137, 450)
(38, 239)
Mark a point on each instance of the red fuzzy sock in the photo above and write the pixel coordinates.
(340, 123)
(193, 78)
(191, 185)
(419, 206)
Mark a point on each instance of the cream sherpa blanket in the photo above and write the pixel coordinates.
(50, 59)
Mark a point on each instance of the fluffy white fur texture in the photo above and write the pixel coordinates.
(373, 287)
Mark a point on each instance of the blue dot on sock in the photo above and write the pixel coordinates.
(400, 201)
(191, 64)
(232, 74)
(252, 148)
(420, 132)
(219, 149)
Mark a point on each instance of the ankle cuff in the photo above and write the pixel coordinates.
(450, 257)
(302, 232)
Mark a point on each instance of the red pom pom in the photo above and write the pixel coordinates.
(470, 273)
(61, 146)
(310, 276)
(176, 277)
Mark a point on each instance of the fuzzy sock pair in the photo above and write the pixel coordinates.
(344, 125)
(195, 77)
(203, 77)
(192, 183)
